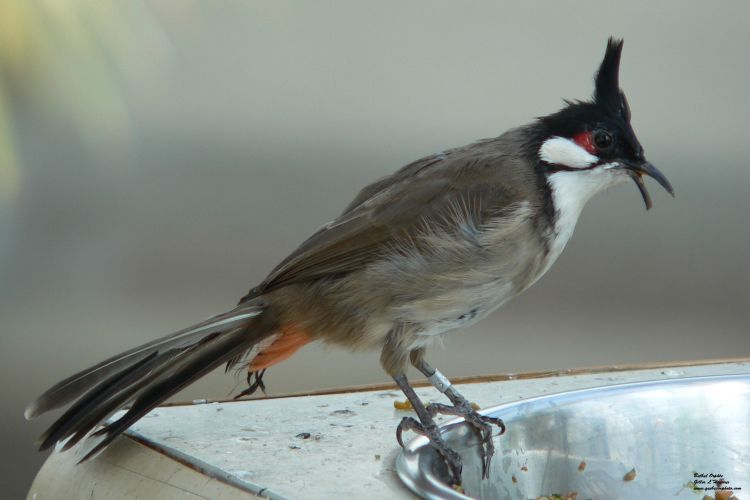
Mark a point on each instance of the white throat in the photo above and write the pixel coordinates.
(570, 192)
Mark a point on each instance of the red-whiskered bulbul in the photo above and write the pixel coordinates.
(432, 248)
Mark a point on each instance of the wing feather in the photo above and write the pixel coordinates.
(397, 206)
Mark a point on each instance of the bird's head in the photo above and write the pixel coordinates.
(594, 139)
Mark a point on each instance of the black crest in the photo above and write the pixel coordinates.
(608, 110)
(607, 92)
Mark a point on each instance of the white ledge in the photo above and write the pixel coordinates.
(307, 446)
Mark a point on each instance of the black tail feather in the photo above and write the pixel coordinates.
(146, 376)
(185, 371)
(73, 387)
(114, 397)
(84, 408)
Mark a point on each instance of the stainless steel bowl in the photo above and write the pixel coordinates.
(677, 435)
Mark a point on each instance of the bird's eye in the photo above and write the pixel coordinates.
(603, 140)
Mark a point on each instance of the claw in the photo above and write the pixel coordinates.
(409, 424)
(495, 421)
(253, 385)
(481, 424)
(450, 457)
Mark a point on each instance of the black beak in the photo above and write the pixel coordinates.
(638, 170)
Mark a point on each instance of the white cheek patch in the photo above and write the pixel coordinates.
(562, 151)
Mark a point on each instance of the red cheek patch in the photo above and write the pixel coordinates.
(586, 141)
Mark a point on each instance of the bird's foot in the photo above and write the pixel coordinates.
(431, 432)
(482, 424)
(253, 385)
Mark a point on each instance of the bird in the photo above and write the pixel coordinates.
(430, 249)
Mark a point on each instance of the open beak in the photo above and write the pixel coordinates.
(638, 170)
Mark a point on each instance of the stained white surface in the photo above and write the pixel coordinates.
(352, 445)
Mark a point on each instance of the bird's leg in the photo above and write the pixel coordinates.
(461, 407)
(426, 427)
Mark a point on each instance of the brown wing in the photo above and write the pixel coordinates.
(352, 240)
(393, 206)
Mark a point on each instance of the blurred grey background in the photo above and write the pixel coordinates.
(158, 158)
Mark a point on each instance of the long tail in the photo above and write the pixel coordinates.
(145, 376)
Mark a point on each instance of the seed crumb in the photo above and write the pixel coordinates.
(630, 475)
(403, 405)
